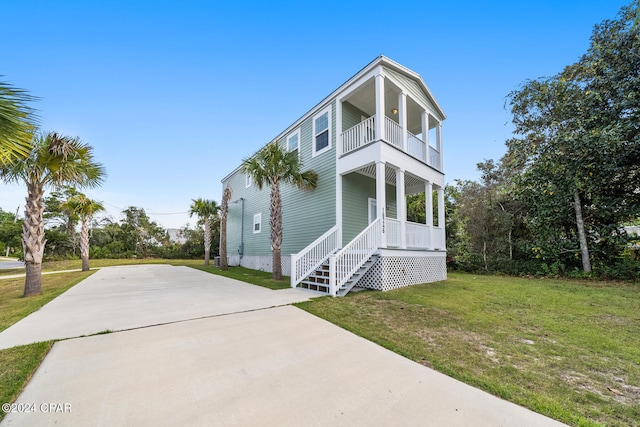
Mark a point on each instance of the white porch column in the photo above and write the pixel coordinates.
(441, 215)
(425, 135)
(379, 125)
(381, 201)
(439, 133)
(428, 209)
(402, 118)
(401, 207)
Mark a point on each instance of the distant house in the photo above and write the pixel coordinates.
(373, 141)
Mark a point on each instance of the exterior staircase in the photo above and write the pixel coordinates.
(318, 280)
(349, 284)
(324, 267)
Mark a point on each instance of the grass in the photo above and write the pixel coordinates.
(566, 349)
(18, 364)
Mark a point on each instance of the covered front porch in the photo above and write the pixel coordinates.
(381, 190)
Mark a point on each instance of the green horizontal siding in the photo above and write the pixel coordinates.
(351, 116)
(356, 191)
(306, 214)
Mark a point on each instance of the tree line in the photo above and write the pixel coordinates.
(558, 201)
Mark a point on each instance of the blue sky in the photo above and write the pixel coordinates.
(172, 95)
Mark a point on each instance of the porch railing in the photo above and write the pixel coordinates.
(418, 235)
(416, 147)
(311, 257)
(349, 259)
(438, 238)
(434, 158)
(393, 230)
(365, 132)
(393, 132)
(359, 135)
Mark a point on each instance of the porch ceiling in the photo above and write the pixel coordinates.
(364, 99)
(412, 183)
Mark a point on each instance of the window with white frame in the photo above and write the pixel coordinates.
(322, 132)
(293, 141)
(247, 181)
(257, 223)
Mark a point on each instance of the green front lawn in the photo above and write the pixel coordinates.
(566, 349)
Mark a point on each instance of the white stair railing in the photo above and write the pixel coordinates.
(310, 258)
(349, 259)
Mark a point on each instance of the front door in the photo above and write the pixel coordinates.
(373, 210)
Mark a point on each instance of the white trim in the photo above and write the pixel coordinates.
(257, 220)
(291, 135)
(328, 111)
(248, 181)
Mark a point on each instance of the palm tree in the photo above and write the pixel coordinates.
(206, 210)
(85, 208)
(274, 165)
(16, 125)
(54, 160)
(224, 210)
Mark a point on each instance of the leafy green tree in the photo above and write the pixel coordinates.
(54, 160)
(10, 230)
(85, 209)
(274, 165)
(140, 234)
(16, 123)
(206, 210)
(577, 145)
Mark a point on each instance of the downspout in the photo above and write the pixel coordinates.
(241, 249)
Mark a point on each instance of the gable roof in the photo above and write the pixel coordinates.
(412, 80)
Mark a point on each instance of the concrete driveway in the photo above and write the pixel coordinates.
(215, 351)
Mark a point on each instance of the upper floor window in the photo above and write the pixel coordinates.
(293, 141)
(322, 132)
(247, 181)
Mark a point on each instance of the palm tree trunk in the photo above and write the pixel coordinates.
(276, 230)
(33, 281)
(207, 241)
(224, 211)
(33, 240)
(84, 244)
(584, 248)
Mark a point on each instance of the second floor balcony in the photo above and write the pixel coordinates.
(366, 132)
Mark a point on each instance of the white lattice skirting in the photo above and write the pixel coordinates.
(397, 271)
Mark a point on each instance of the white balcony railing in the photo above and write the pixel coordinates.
(416, 147)
(359, 135)
(364, 133)
(393, 132)
(434, 158)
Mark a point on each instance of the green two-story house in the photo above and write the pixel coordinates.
(373, 141)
